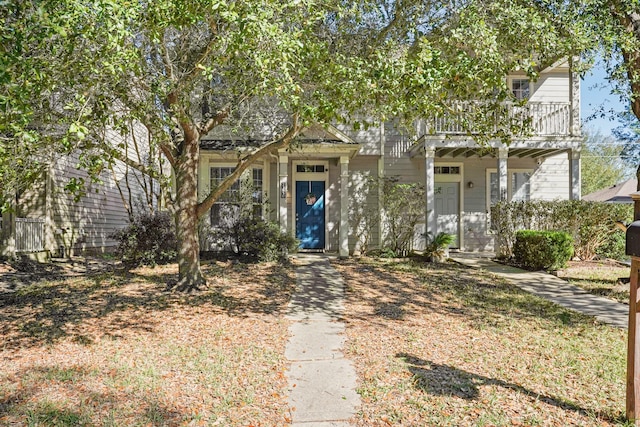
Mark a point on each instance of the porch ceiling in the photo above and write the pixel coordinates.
(489, 152)
(465, 148)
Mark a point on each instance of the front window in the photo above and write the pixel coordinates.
(520, 186)
(256, 193)
(227, 206)
(245, 193)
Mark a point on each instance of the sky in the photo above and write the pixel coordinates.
(595, 92)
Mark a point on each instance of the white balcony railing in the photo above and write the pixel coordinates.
(29, 235)
(533, 118)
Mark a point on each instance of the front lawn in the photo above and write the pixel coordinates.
(433, 345)
(117, 349)
(599, 278)
(444, 345)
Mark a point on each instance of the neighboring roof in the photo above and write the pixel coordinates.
(619, 193)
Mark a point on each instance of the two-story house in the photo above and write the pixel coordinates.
(309, 189)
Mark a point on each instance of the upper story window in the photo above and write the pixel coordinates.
(521, 89)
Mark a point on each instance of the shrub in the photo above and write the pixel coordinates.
(614, 247)
(589, 223)
(542, 250)
(255, 238)
(403, 207)
(148, 240)
(436, 248)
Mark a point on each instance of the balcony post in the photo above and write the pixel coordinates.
(344, 207)
(574, 99)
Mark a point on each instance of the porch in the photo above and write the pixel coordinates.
(463, 180)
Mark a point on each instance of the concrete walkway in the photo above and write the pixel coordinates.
(553, 289)
(321, 381)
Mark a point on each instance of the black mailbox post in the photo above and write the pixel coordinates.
(633, 239)
(633, 347)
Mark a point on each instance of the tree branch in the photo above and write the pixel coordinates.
(245, 162)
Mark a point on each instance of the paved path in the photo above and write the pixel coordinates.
(321, 381)
(554, 289)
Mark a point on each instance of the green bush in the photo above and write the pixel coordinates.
(542, 250)
(256, 238)
(614, 247)
(148, 240)
(403, 208)
(589, 223)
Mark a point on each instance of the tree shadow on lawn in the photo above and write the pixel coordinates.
(445, 380)
(397, 291)
(108, 303)
(27, 403)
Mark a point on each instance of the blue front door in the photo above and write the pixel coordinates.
(310, 214)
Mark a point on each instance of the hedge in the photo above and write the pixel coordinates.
(542, 250)
(590, 224)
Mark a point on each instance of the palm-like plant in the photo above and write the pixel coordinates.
(436, 247)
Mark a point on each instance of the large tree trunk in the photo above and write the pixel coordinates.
(190, 276)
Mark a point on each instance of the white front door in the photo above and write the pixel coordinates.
(447, 195)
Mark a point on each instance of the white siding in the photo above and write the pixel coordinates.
(551, 180)
(369, 138)
(552, 87)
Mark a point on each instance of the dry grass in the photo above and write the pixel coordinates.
(432, 344)
(118, 349)
(448, 346)
(599, 278)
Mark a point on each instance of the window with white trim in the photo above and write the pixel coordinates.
(257, 195)
(518, 190)
(245, 193)
(227, 206)
(521, 88)
(518, 186)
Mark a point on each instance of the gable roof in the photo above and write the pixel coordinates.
(314, 134)
(618, 193)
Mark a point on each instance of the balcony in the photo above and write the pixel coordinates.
(543, 119)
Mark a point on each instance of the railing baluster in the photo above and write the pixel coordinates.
(546, 118)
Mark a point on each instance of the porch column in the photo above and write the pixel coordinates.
(574, 175)
(503, 182)
(344, 207)
(429, 190)
(283, 175)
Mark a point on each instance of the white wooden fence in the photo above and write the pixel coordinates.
(29, 234)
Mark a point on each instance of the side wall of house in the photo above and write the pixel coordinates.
(85, 224)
